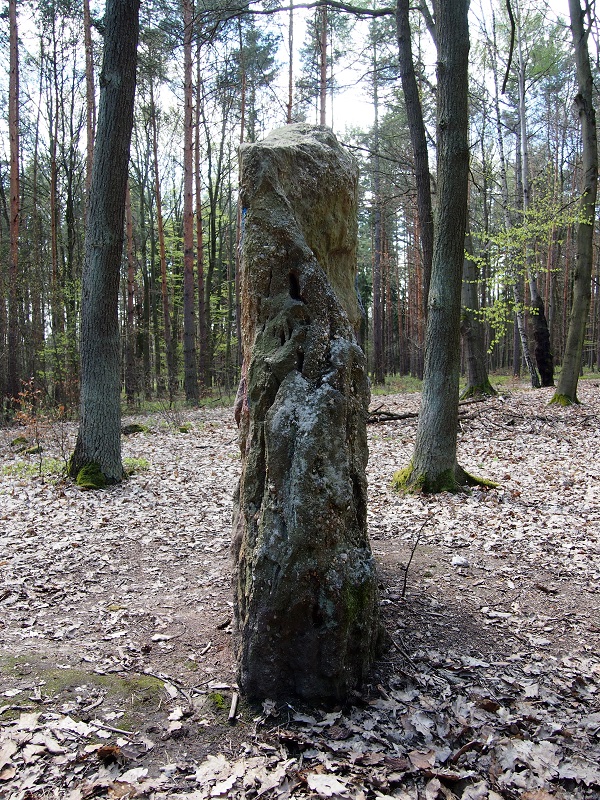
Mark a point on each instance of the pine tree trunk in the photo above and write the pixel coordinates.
(98, 445)
(170, 356)
(290, 102)
(378, 367)
(323, 66)
(130, 371)
(13, 382)
(190, 380)
(414, 115)
(202, 331)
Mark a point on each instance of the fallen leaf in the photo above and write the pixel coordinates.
(325, 785)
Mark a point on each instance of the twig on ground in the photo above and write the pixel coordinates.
(403, 652)
(412, 552)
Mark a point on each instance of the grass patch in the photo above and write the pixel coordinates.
(134, 465)
(47, 467)
(397, 384)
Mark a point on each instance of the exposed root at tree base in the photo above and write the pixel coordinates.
(455, 480)
(484, 389)
(563, 400)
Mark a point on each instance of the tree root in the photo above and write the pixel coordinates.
(455, 480)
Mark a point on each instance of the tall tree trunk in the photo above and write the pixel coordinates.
(323, 66)
(290, 102)
(13, 382)
(169, 352)
(90, 97)
(57, 295)
(143, 346)
(202, 330)
(130, 370)
(566, 391)
(239, 222)
(98, 445)
(541, 334)
(378, 366)
(190, 380)
(516, 281)
(434, 467)
(416, 126)
(471, 328)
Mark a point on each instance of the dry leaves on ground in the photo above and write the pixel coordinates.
(116, 671)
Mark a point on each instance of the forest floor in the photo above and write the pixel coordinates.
(116, 667)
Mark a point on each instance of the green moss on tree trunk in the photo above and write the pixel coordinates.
(89, 476)
(484, 389)
(563, 400)
(453, 480)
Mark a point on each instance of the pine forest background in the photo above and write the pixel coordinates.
(212, 75)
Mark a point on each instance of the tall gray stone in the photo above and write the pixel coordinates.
(306, 606)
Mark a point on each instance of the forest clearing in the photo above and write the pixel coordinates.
(116, 668)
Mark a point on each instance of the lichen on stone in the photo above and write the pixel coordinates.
(306, 608)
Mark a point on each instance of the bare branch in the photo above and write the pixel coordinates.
(243, 9)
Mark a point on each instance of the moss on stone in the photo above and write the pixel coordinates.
(91, 477)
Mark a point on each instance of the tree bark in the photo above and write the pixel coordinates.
(99, 437)
(566, 391)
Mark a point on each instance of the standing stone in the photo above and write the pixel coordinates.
(306, 605)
